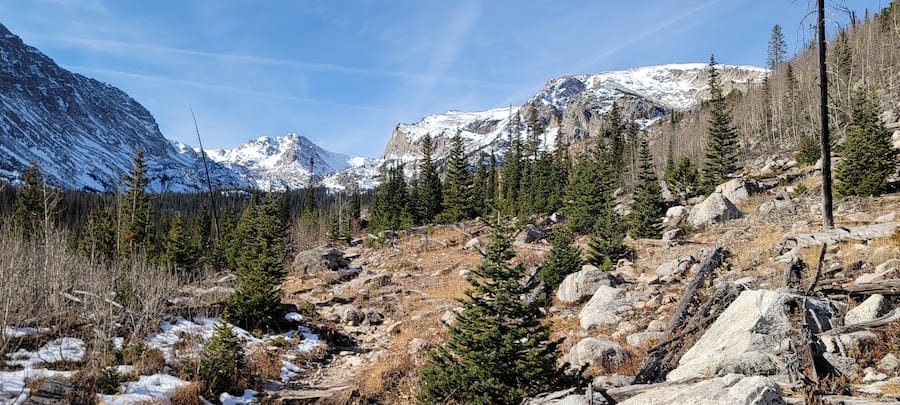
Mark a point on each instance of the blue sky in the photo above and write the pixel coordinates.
(344, 73)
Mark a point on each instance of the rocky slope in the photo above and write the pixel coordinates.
(81, 132)
(575, 105)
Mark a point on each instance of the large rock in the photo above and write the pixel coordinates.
(596, 351)
(736, 190)
(674, 215)
(870, 309)
(730, 389)
(582, 284)
(325, 258)
(531, 234)
(602, 309)
(714, 209)
(747, 338)
(782, 204)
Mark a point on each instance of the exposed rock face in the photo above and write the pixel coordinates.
(730, 389)
(531, 234)
(83, 132)
(596, 351)
(745, 339)
(714, 209)
(319, 259)
(674, 270)
(782, 204)
(582, 284)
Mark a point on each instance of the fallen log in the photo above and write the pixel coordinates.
(887, 319)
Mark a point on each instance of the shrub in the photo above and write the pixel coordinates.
(221, 362)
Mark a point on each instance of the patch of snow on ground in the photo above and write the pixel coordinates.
(293, 316)
(14, 332)
(12, 383)
(56, 351)
(147, 389)
(288, 371)
(249, 397)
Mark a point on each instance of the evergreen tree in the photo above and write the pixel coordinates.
(585, 196)
(459, 201)
(810, 151)
(722, 140)
(777, 48)
(647, 209)
(221, 362)
(499, 350)
(564, 259)
(390, 210)
(684, 178)
(29, 208)
(482, 190)
(180, 254)
(511, 174)
(136, 205)
(256, 303)
(614, 135)
(428, 191)
(607, 244)
(868, 159)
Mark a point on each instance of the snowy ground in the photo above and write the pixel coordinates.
(157, 388)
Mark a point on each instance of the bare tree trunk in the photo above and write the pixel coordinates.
(827, 209)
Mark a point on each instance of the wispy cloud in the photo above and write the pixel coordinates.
(230, 89)
(111, 46)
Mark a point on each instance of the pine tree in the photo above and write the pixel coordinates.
(459, 201)
(809, 151)
(391, 208)
(647, 210)
(777, 48)
(722, 140)
(256, 303)
(585, 195)
(428, 191)
(180, 255)
(499, 349)
(136, 205)
(221, 362)
(564, 259)
(607, 244)
(868, 158)
(29, 209)
(511, 173)
(684, 178)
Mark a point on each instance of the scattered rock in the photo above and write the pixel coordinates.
(714, 209)
(582, 284)
(870, 309)
(656, 326)
(730, 389)
(387, 234)
(677, 211)
(557, 217)
(884, 271)
(612, 381)
(353, 317)
(644, 339)
(473, 243)
(417, 346)
(596, 351)
(464, 273)
(870, 376)
(889, 364)
(531, 234)
(564, 397)
(672, 235)
(373, 318)
(601, 309)
(782, 204)
(673, 271)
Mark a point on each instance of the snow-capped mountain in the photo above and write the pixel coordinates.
(575, 106)
(277, 163)
(81, 132)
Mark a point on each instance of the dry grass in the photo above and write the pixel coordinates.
(760, 245)
(188, 394)
(262, 363)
